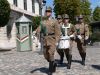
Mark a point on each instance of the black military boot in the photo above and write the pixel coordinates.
(83, 58)
(69, 61)
(54, 66)
(67, 56)
(61, 59)
(50, 68)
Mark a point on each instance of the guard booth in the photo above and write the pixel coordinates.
(24, 34)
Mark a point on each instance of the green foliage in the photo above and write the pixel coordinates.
(36, 22)
(86, 11)
(72, 8)
(95, 37)
(4, 12)
(96, 14)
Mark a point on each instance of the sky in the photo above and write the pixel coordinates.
(94, 3)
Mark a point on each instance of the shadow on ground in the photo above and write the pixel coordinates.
(5, 50)
(42, 69)
(60, 65)
(96, 67)
(77, 61)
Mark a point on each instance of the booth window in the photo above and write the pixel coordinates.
(24, 30)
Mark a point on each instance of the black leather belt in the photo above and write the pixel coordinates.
(82, 34)
(49, 34)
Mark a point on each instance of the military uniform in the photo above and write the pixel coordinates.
(82, 34)
(50, 31)
(50, 39)
(60, 52)
(67, 30)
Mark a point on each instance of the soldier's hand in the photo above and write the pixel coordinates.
(72, 37)
(79, 36)
(86, 38)
(56, 44)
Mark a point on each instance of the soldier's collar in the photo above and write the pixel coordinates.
(81, 23)
(67, 26)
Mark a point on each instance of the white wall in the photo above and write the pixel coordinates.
(36, 7)
(21, 4)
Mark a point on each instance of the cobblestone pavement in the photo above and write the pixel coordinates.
(31, 63)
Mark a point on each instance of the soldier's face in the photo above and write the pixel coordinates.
(48, 14)
(81, 20)
(59, 20)
(66, 20)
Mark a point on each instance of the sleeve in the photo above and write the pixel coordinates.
(87, 30)
(72, 30)
(57, 31)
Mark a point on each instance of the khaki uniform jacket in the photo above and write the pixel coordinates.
(70, 30)
(50, 26)
(82, 29)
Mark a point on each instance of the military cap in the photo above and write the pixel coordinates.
(80, 16)
(49, 9)
(59, 16)
(65, 16)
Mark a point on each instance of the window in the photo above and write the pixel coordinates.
(24, 30)
(25, 4)
(15, 2)
(33, 6)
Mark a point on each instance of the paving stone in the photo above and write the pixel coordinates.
(32, 63)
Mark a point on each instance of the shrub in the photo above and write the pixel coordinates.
(4, 12)
(36, 21)
(95, 37)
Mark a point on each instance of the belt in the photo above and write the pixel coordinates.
(81, 34)
(48, 34)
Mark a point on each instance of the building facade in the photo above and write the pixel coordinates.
(29, 8)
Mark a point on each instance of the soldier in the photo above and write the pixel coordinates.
(67, 30)
(50, 29)
(59, 18)
(60, 52)
(82, 34)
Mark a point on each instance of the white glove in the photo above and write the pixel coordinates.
(56, 44)
(79, 36)
(64, 37)
(86, 38)
(71, 36)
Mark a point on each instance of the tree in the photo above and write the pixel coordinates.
(36, 21)
(96, 14)
(4, 12)
(72, 8)
(86, 11)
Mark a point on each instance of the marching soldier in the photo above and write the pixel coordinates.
(60, 52)
(82, 32)
(50, 29)
(66, 40)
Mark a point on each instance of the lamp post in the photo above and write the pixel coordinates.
(42, 3)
